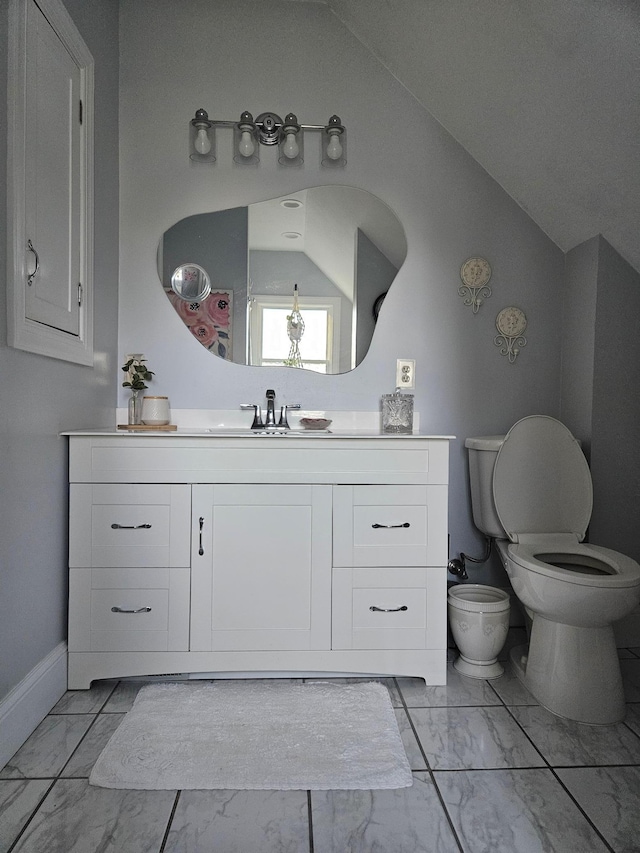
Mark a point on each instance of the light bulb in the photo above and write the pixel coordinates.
(202, 143)
(291, 149)
(334, 148)
(246, 146)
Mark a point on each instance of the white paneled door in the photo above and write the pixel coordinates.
(261, 572)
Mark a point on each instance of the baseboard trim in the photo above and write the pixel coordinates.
(29, 702)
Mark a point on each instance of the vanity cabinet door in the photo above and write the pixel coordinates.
(261, 567)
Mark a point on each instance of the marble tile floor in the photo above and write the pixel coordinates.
(493, 773)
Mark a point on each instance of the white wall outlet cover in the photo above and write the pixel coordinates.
(405, 373)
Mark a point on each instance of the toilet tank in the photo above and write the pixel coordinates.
(483, 451)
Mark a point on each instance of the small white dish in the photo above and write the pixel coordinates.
(315, 423)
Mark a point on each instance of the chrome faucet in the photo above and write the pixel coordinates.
(270, 420)
(269, 424)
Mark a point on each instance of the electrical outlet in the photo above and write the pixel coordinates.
(406, 373)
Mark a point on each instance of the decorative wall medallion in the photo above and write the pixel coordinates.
(510, 323)
(475, 273)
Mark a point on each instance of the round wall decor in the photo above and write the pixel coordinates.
(475, 274)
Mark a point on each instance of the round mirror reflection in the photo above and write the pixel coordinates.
(341, 246)
(191, 283)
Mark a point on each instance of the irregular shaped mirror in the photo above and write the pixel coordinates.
(341, 246)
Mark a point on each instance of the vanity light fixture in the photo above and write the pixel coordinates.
(267, 129)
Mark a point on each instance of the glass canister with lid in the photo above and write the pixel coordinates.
(397, 412)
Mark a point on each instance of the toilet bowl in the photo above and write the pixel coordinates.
(479, 622)
(533, 491)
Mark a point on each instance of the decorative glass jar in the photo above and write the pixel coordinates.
(397, 412)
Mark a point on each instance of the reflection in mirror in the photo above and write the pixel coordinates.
(191, 283)
(341, 246)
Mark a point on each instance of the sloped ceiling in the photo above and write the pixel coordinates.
(544, 94)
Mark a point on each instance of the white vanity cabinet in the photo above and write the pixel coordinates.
(247, 554)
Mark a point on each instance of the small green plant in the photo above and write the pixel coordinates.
(137, 373)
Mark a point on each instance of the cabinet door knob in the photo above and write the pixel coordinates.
(387, 609)
(390, 526)
(131, 526)
(124, 610)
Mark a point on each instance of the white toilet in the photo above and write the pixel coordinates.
(531, 490)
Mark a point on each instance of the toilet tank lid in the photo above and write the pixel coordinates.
(485, 442)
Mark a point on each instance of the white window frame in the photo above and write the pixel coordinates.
(330, 304)
(22, 332)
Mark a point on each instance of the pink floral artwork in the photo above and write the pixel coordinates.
(209, 321)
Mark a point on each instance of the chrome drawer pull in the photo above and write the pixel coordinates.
(131, 527)
(388, 526)
(387, 609)
(32, 275)
(124, 610)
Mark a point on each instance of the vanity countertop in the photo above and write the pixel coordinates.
(243, 432)
(233, 424)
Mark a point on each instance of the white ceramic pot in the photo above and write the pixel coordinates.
(479, 622)
(155, 411)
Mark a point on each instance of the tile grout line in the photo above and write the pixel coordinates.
(31, 816)
(169, 822)
(552, 769)
(310, 821)
(86, 734)
(58, 776)
(429, 770)
(581, 810)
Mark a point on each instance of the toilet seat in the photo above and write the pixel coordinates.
(621, 570)
(543, 496)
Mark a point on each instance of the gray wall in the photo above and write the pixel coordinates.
(615, 435)
(450, 209)
(578, 339)
(600, 378)
(42, 396)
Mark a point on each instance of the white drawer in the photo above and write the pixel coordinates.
(129, 609)
(389, 525)
(132, 609)
(130, 525)
(388, 608)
